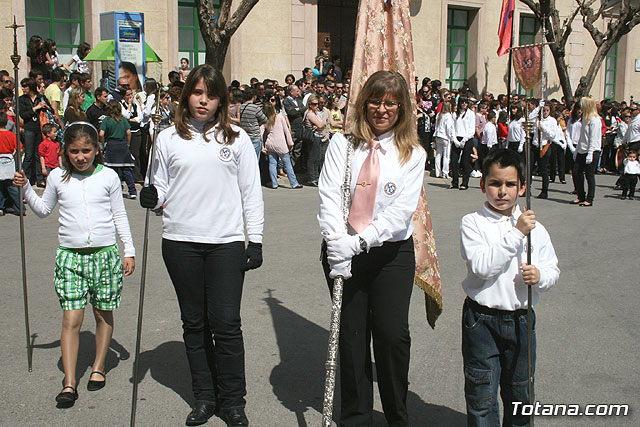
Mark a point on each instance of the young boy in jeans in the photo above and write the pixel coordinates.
(49, 149)
(494, 316)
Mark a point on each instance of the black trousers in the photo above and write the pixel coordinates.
(136, 149)
(376, 304)
(483, 150)
(454, 164)
(543, 168)
(467, 162)
(208, 282)
(629, 182)
(31, 164)
(556, 162)
(581, 170)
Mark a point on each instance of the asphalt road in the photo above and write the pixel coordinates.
(588, 328)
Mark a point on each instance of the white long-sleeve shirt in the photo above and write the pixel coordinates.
(91, 209)
(590, 136)
(465, 125)
(494, 249)
(631, 167)
(547, 130)
(489, 135)
(445, 127)
(397, 194)
(517, 133)
(206, 187)
(560, 138)
(633, 132)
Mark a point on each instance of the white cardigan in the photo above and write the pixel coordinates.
(91, 209)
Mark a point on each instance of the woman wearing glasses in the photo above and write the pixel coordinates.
(374, 251)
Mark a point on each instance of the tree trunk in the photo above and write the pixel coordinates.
(216, 52)
(586, 81)
(563, 72)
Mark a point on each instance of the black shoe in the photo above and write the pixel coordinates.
(542, 196)
(201, 413)
(312, 184)
(67, 398)
(235, 417)
(93, 385)
(562, 181)
(298, 186)
(463, 187)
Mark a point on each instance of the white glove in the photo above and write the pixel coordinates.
(520, 147)
(342, 247)
(342, 268)
(575, 154)
(589, 158)
(541, 103)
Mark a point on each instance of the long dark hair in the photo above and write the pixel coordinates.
(216, 87)
(34, 47)
(114, 110)
(131, 68)
(75, 131)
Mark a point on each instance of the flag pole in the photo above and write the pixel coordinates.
(509, 79)
(15, 58)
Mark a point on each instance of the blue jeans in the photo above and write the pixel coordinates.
(494, 351)
(9, 196)
(257, 145)
(288, 168)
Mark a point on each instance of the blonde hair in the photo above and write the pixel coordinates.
(378, 85)
(589, 109)
(446, 108)
(74, 96)
(270, 112)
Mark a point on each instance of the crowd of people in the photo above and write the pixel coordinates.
(583, 138)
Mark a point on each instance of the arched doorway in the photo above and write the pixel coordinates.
(337, 28)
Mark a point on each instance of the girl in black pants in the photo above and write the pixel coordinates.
(207, 179)
(588, 152)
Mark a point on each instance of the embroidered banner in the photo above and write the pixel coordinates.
(527, 63)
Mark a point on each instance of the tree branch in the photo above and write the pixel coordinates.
(238, 16)
(225, 10)
(588, 19)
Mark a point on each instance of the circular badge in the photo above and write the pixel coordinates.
(390, 188)
(225, 154)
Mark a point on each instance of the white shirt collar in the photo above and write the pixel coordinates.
(497, 217)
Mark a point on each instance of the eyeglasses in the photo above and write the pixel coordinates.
(388, 105)
(313, 103)
(6, 81)
(626, 117)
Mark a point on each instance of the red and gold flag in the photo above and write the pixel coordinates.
(527, 63)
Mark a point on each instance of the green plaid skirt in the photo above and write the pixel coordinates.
(93, 271)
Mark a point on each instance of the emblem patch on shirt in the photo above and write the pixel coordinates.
(390, 188)
(225, 154)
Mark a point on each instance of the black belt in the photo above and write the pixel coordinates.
(493, 311)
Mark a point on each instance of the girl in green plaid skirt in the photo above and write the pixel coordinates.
(88, 263)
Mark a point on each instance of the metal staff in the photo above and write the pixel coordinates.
(15, 58)
(336, 307)
(528, 126)
(156, 117)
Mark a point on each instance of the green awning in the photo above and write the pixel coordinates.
(105, 50)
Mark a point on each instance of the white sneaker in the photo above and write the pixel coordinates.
(476, 174)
